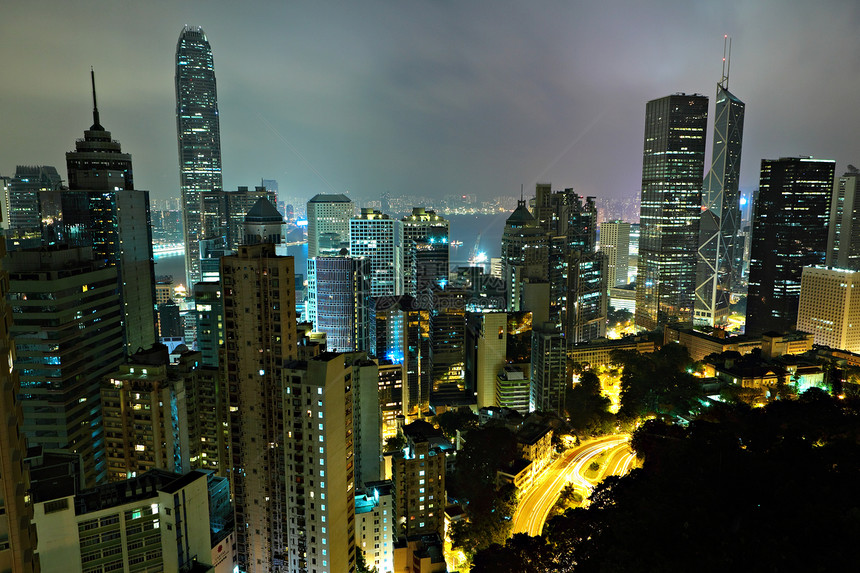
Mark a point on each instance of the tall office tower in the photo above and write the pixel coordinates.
(525, 256)
(379, 238)
(18, 533)
(224, 212)
(24, 214)
(260, 334)
(116, 222)
(318, 517)
(615, 244)
(67, 326)
(843, 239)
(584, 316)
(720, 254)
(327, 215)
(403, 336)
(486, 353)
(448, 347)
(199, 134)
(672, 173)
(271, 185)
(262, 223)
(570, 225)
(210, 321)
(548, 369)
(425, 250)
(829, 307)
(419, 481)
(374, 525)
(339, 303)
(159, 521)
(789, 233)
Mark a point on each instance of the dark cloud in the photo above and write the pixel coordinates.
(427, 98)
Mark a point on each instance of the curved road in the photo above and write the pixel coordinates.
(536, 502)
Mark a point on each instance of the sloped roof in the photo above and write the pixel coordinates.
(263, 210)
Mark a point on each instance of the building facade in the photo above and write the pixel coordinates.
(829, 307)
(672, 174)
(339, 302)
(843, 238)
(789, 233)
(615, 244)
(379, 238)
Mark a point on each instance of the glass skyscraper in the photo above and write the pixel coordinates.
(720, 255)
(199, 134)
(672, 174)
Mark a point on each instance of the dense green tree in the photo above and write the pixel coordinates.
(738, 489)
(450, 421)
(586, 407)
(658, 383)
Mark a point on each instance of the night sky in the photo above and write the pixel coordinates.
(427, 98)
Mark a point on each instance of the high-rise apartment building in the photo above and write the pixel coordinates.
(17, 532)
(379, 238)
(829, 307)
(548, 369)
(339, 303)
(419, 481)
(719, 264)
(210, 321)
(260, 334)
(328, 223)
(843, 239)
(425, 250)
(67, 326)
(615, 245)
(672, 174)
(115, 221)
(199, 135)
(789, 233)
(374, 525)
(318, 517)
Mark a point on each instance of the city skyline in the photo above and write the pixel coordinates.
(382, 98)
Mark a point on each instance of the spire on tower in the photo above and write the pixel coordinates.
(96, 125)
(727, 61)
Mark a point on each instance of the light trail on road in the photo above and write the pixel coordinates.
(537, 502)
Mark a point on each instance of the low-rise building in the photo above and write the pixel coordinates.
(598, 352)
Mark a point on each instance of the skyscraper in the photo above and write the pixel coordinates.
(24, 188)
(548, 369)
(328, 223)
(789, 233)
(843, 239)
(615, 244)
(199, 134)
(339, 303)
(720, 254)
(102, 209)
(17, 552)
(260, 334)
(525, 256)
(672, 173)
(425, 250)
(379, 238)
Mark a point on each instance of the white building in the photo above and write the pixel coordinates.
(374, 525)
(615, 242)
(159, 521)
(829, 307)
(379, 238)
(328, 223)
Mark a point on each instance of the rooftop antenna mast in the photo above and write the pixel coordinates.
(97, 126)
(521, 192)
(727, 61)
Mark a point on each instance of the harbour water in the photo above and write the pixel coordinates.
(478, 233)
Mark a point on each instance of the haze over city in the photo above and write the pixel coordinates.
(429, 98)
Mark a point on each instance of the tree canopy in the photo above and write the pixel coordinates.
(738, 489)
(657, 382)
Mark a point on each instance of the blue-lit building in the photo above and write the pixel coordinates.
(339, 303)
